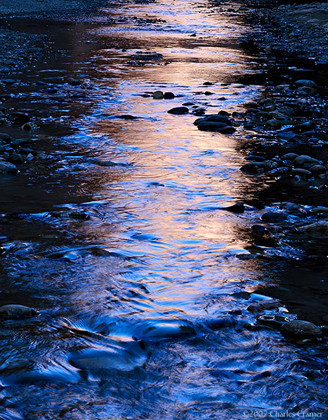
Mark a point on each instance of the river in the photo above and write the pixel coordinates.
(117, 234)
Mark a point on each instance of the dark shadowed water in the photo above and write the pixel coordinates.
(116, 235)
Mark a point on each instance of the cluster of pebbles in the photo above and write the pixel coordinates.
(15, 151)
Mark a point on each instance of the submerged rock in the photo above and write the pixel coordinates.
(119, 357)
(17, 312)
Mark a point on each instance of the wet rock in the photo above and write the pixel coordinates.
(273, 217)
(236, 208)
(158, 94)
(119, 357)
(273, 124)
(79, 215)
(215, 123)
(305, 160)
(301, 172)
(264, 305)
(305, 82)
(21, 142)
(254, 168)
(147, 56)
(16, 312)
(169, 95)
(20, 118)
(317, 229)
(7, 168)
(318, 169)
(300, 329)
(5, 137)
(26, 127)
(179, 110)
(199, 111)
(15, 158)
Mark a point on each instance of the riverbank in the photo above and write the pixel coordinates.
(288, 129)
(46, 7)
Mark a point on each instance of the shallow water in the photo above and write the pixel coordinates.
(135, 295)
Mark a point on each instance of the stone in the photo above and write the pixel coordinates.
(158, 94)
(318, 169)
(255, 168)
(179, 110)
(264, 305)
(213, 118)
(169, 95)
(20, 118)
(17, 312)
(5, 137)
(273, 217)
(7, 168)
(317, 229)
(305, 82)
(274, 124)
(236, 208)
(301, 172)
(300, 329)
(301, 160)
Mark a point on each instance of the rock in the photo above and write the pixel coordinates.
(169, 95)
(179, 110)
(317, 229)
(213, 118)
(26, 127)
(264, 305)
(273, 217)
(318, 169)
(236, 208)
(216, 123)
(274, 124)
(147, 56)
(7, 168)
(20, 142)
(123, 357)
(289, 156)
(158, 94)
(255, 168)
(301, 160)
(305, 82)
(199, 111)
(16, 312)
(79, 215)
(5, 137)
(301, 172)
(16, 158)
(20, 118)
(300, 329)
(216, 127)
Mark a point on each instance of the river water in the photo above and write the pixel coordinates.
(117, 235)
